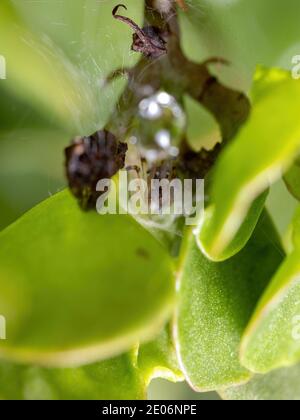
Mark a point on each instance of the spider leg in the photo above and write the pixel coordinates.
(133, 168)
(141, 34)
(216, 60)
(182, 5)
(124, 71)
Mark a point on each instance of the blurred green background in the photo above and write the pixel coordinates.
(58, 53)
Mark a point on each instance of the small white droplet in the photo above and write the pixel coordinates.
(174, 151)
(164, 98)
(133, 140)
(150, 155)
(150, 109)
(163, 139)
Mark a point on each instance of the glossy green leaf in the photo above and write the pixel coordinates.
(115, 379)
(77, 287)
(157, 359)
(279, 385)
(272, 339)
(215, 303)
(263, 148)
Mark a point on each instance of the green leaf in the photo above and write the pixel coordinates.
(40, 73)
(280, 385)
(37, 170)
(77, 287)
(157, 359)
(292, 179)
(280, 199)
(7, 214)
(215, 303)
(263, 149)
(272, 338)
(115, 379)
(16, 114)
(58, 55)
(85, 30)
(242, 236)
(202, 129)
(125, 377)
(211, 28)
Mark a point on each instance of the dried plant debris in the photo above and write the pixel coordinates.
(196, 165)
(91, 159)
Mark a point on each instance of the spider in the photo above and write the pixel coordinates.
(156, 218)
(165, 170)
(147, 40)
